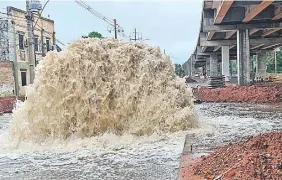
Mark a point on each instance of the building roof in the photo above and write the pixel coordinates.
(9, 8)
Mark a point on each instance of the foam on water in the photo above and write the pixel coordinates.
(97, 86)
(109, 156)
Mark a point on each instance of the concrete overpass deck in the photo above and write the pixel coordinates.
(236, 30)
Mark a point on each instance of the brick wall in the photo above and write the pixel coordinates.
(6, 78)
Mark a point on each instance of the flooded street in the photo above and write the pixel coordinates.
(111, 157)
(224, 123)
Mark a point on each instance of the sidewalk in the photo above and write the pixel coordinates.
(188, 158)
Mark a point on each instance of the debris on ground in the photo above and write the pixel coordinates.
(197, 101)
(239, 94)
(190, 80)
(259, 157)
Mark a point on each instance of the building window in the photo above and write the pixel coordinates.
(48, 44)
(23, 76)
(36, 44)
(21, 41)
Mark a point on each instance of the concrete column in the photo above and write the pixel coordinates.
(208, 66)
(261, 63)
(243, 57)
(186, 68)
(213, 65)
(192, 65)
(219, 68)
(225, 62)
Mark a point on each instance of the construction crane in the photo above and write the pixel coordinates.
(112, 22)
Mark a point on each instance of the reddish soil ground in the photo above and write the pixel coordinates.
(7, 103)
(259, 157)
(238, 94)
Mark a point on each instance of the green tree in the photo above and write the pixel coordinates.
(94, 34)
(279, 61)
(233, 65)
(270, 62)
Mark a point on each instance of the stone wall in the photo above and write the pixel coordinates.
(6, 78)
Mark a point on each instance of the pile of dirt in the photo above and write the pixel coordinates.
(250, 94)
(7, 103)
(259, 157)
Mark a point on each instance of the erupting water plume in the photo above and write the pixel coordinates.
(97, 86)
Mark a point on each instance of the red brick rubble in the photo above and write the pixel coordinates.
(7, 103)
(259, 157)
(238, 94)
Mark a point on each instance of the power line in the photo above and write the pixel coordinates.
(112, 22)
(85, 6)
(50, 34)
(30, 40)
(41, 13)
(24, 19)
(137, 36)
(39, 29)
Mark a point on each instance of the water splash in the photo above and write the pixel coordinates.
(97, 86)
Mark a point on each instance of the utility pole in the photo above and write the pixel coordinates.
(115, 28)
(42, 43)
(15, 61)
(54, 41)
(30, 39)
(137, 35)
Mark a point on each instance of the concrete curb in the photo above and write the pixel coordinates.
(189, 154)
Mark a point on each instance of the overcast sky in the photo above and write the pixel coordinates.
(172, 25)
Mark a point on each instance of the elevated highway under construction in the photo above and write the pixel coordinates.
(236, 31)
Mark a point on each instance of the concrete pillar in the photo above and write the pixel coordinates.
(186, 68)
(208, 67)
(219, 68)
(261, 64)
(243, 57)
(225, 62)
(192, 65)
(213, 65)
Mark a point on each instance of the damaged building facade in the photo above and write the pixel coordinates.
(14, 47)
